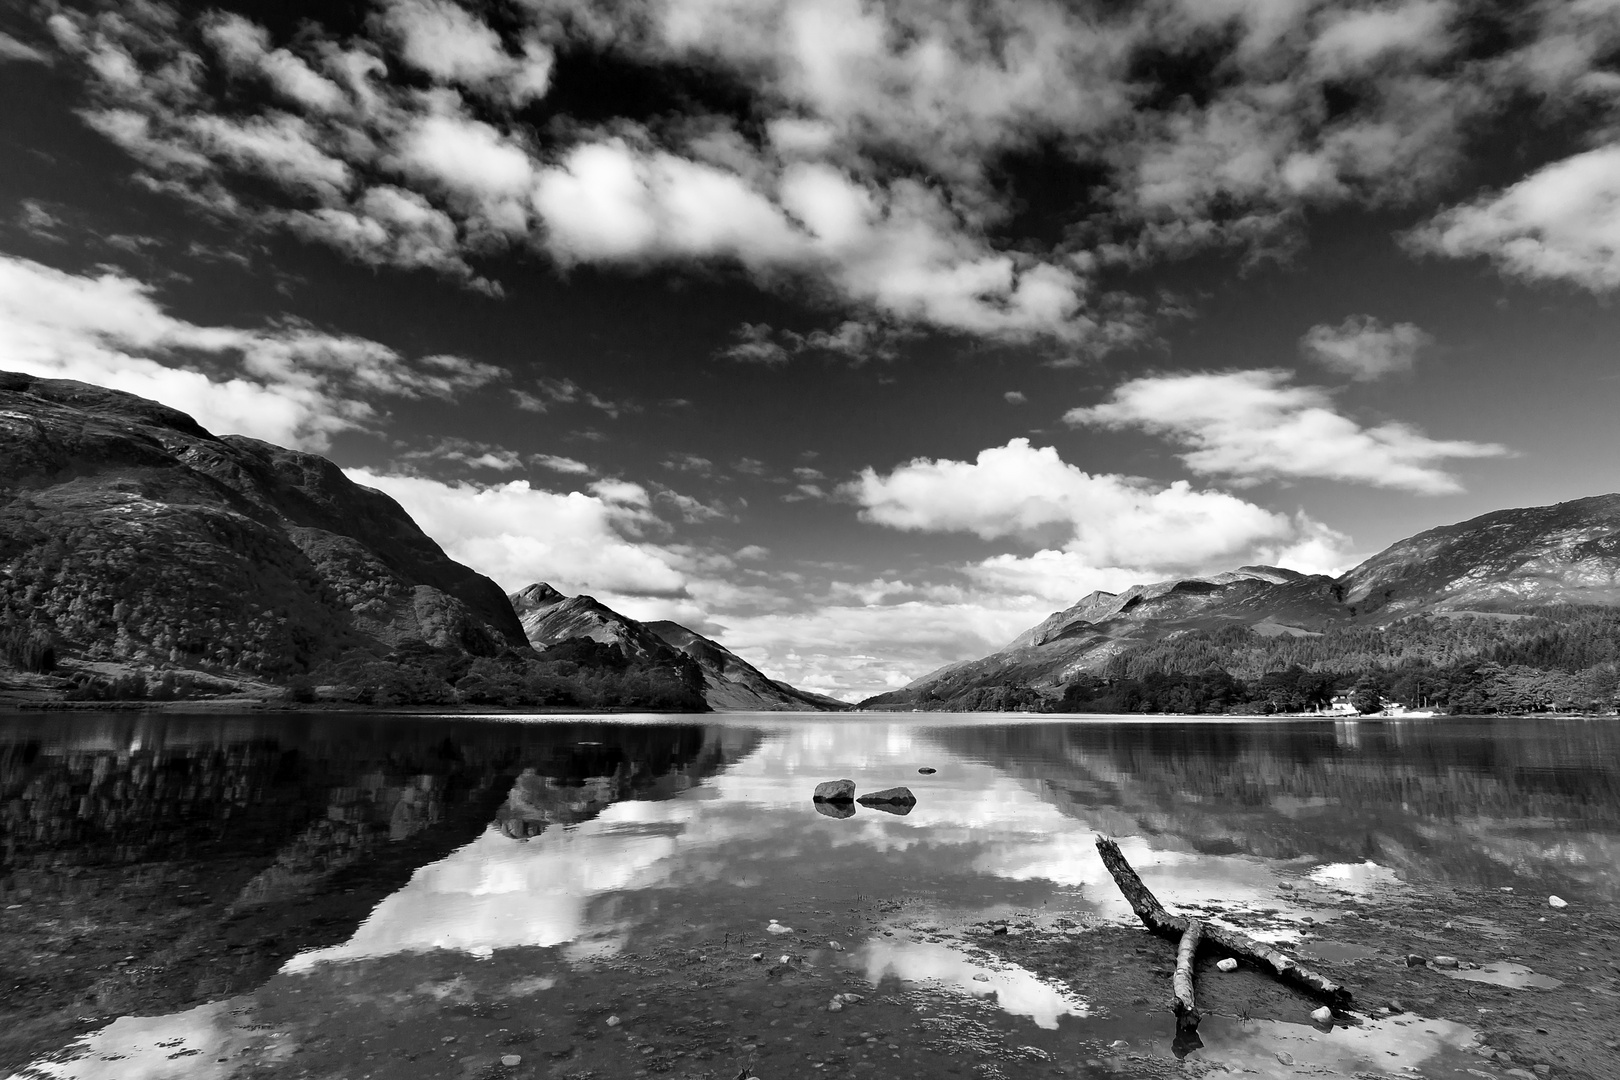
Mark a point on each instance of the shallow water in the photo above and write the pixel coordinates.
(407, 896)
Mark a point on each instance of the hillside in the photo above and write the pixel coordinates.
(130, 534)
(732, 683)
(729, 682)
(142, 557)
(1534, 588)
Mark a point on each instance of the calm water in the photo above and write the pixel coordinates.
(334, 896)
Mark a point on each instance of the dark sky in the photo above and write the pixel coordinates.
(858, 335)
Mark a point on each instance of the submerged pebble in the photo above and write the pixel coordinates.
(1228, 964)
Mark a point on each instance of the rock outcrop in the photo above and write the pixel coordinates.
(133, 535)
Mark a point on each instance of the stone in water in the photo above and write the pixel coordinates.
(1228, 964)
(835, 791)
(1557, 901)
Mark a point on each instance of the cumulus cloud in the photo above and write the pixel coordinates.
(579, 541)
(1254, 426)
(1029, 492)
(1561, 223)
(1363, 348)
(290, 384)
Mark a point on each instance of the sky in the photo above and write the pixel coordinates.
(857, 335)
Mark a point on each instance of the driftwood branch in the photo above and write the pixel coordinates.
(1186, 1007)
(1242, 946)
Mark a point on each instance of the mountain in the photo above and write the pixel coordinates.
(130, 535)
(1491, 569)
(1567, 553)
(549, 618)
(730, 683)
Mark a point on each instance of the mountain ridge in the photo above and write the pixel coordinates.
(1504, 562)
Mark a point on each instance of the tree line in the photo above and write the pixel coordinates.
(1563, 657)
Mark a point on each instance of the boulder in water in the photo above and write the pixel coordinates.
(835, 791)
(894, 796)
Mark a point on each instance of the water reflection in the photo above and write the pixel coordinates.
(1460, 801)
(295, 859)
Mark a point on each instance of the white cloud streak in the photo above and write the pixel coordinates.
(1254, 426)
(289, 384)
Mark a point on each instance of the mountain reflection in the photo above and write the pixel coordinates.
(158, 861)
(1463, 801)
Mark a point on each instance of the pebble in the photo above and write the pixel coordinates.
(927, 771)
(786, 959)
(758, 957)
(1324, 1015)
(1557, 902)
(613, 1021)
(1118, 1044)
(511, 1061)
(834, 946)
(981, 977)
(835, 1005)
(1414, 960)
(1228, 964)
(1285, 1058)
(1447, 962)
(1396, 1007)
(778, 928)
(1542, 1070)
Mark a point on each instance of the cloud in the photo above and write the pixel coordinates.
(752, 344)
(446, 41)
(1254, 426)
(289, 384)
(857, 340)
(1030, 493)
(872, 174)
(1363, 348)
(519, 534)
(559, 464)
(568, 392)
(1350, 42)
(1015, 397)
(13, 50)
(245, 48)
(37, 221)
(1561, 223)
